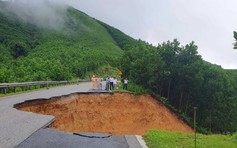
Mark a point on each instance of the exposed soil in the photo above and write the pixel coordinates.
(117, 113)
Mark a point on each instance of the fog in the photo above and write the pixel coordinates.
(209, 23)
(42, 13)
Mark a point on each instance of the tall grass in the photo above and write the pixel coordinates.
(164, 139)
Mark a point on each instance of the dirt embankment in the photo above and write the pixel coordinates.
(118, 114)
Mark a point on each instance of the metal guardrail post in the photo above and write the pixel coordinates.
(23, 88)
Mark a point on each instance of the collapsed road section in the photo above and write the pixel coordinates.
(112, 113)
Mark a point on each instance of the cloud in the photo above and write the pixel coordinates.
(42, 13)
(210, 23)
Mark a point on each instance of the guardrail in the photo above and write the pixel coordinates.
(6, 86)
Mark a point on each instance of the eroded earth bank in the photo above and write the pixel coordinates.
(115, 113)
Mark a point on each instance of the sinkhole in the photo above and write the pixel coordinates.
(112, 113)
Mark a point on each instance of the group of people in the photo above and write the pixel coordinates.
(111, 83)
(96, 82)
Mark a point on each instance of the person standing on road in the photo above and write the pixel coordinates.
(115, 83)
(93, 81)
(125, 84)
(97, 83)
(100, 82)
(111, 82)
(107, 83)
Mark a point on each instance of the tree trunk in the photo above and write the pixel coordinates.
(168, 95)
(210, 123)
(160, 91)
(180, 100)
(186, 108)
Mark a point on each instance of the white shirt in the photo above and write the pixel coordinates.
(115, 81)
(111, 80)
(125, 81)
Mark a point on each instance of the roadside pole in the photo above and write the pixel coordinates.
(47, 83)
(194, 123)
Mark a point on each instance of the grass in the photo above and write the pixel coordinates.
(120, 88)
(20, 92)
(164, 139)
(131, 88)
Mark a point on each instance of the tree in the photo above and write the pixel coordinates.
(18, 49)
(235, 36)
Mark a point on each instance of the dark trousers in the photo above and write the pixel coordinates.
(111, 85)
(107, 86)
(125, 86)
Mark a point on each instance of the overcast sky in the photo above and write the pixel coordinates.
(209, 23)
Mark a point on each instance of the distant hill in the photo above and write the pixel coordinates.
(232, 74)
(60, 50)
(48, 41)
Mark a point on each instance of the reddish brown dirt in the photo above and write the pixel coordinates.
(118, 114)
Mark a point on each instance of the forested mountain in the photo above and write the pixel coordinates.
(32, 52)
(73, 44)
(179, 74)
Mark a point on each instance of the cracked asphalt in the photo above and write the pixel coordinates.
(25, 129)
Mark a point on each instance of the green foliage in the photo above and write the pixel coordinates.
(136, 88)
(123, 41)
(165, 139)
(85, 46)
(179, 74)
(18, 49)
(104, 71)
(235, 36)
(33, 53)
(5, 55)
(234, 137)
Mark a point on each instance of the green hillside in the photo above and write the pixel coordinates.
(32, 53)
(181, 79)
(70, 45)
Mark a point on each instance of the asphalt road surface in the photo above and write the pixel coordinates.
(25, 129)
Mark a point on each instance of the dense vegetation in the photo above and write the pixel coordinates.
(235, 36)
(83, 46)
(31, 53)
(155, 139)
(179, 74)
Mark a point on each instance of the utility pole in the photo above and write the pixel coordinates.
(47, 83)
(194, 123)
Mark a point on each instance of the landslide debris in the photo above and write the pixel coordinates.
(113, 113)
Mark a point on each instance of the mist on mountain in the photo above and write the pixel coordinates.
(42, 13)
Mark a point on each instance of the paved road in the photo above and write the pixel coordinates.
(49, 138)
(16, 126)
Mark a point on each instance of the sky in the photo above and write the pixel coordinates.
(209, 23)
